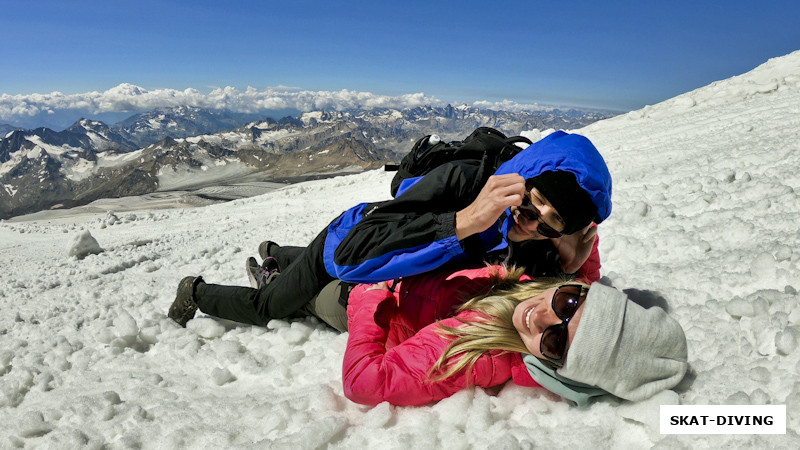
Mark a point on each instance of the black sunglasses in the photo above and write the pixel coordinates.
(531, 213)
(566, 300)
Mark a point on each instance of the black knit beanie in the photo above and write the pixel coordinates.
(572, 203)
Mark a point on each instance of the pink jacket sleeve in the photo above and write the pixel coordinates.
(371, 374)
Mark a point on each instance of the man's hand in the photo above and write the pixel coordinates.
(574, 249)
(499, 193)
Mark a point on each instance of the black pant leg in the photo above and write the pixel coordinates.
(236, 303)
(287, 294)
(285, 255)
(298, 283)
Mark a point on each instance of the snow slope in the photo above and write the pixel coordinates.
(706, 208)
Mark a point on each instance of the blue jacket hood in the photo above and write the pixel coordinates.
(570, 153)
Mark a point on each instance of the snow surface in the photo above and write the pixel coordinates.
(183, 176)
(108, 159)
(706, 207)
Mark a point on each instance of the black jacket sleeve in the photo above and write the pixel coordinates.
(414, 232)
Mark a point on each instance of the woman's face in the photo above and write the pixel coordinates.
(532, 316)
(524, 229)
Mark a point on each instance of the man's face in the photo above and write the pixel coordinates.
(525, 229)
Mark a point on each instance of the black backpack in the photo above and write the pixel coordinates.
(487, 145)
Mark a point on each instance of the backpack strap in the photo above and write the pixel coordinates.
(487, 130)
(491, 160)
(515, 139)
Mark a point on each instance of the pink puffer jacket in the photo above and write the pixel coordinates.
(393, 343)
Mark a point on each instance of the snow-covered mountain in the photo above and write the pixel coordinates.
(42, 168)
(102, 137)
(178, 122)
(706, 206)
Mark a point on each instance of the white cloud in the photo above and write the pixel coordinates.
(509, 105)
(128, 98)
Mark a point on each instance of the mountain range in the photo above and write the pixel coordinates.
(168, 148)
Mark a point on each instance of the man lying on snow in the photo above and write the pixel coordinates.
(536, 212)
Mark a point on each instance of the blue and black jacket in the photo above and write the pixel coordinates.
(415, 232)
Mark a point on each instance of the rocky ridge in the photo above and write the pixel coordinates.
(185, 148)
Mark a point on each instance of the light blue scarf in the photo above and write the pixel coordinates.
(578, 393)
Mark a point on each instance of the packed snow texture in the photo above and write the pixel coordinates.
(706, 212)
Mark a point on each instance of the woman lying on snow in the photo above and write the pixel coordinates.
(415, 342)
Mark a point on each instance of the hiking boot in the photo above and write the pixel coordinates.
(184, 307)
(261, 275)
(266, 249)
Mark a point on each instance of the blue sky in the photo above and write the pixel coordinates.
(604, 54)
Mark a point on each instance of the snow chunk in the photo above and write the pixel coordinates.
(786, 341)
(739, 307)
(646, 413)
(126, 328)
(222, 376)
(378, 416)
(760, 374)
(34, 425)
(738, 398)
(763, 266)
(206, 327)
(5, 361)
(83, 245)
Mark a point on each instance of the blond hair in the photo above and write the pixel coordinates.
(492, 329)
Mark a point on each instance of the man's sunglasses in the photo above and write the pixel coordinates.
(531, 213)
(566, 300)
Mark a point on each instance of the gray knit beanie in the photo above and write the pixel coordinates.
(624, 349)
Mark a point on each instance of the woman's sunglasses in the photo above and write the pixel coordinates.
(566, 300)
(531, 213)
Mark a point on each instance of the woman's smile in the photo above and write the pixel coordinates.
(528, 317)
